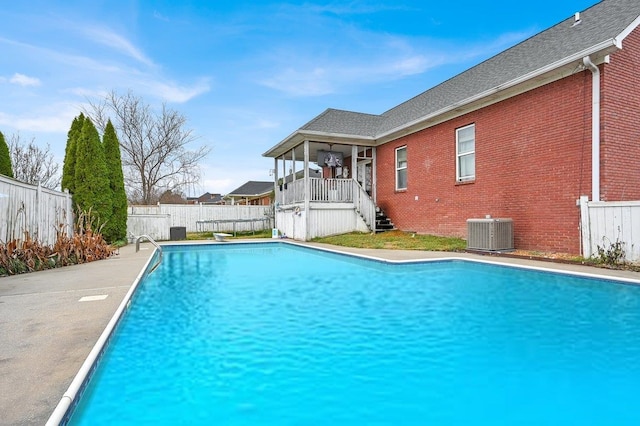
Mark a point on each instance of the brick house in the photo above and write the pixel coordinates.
(251, 193)
(206, 198)
(521, 135)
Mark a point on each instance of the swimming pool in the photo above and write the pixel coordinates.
(275, 334)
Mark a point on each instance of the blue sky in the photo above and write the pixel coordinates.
(245, 74)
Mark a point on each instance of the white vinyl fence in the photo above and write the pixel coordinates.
(39, 211)
(157, 220)
(605, 223)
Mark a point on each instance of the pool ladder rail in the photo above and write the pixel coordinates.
(152, 241)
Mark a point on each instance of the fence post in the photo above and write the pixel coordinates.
(69, 209)
(38, 218)
(585, 227)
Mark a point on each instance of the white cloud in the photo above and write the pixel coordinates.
(86, 93)
(176, 93)
(109, 38)
(302, 82)
(220, 178)
(411, 65)
(267, 124)
(97, 72)
(333, 77)
(350, 8)
(70, 62)
(56, 118)
(23, 80)
(160, 16)
(218, 186)
(380, 58)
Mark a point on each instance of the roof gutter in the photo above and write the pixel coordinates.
(595, 127)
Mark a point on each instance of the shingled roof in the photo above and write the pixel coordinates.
(599, 32)
(252, 189)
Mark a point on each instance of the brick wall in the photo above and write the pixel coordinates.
(620, 139)
(533, 161)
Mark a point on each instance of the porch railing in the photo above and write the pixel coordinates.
(365, 206)
(321, 190)
(290, 193)
(331, 190)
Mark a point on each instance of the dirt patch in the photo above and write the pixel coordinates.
(558, 258)
(546, 255)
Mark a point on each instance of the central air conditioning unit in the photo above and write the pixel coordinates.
(490, 234)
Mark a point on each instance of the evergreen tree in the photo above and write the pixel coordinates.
(5, 158)
(116, 228)
(91, 188)
(68, 168)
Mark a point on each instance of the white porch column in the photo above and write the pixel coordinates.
(374, 175)
(284, 178)
(307, 191)
(278, 195)
(293, 166)
(275, 179)
(284, 169)
(354, 162)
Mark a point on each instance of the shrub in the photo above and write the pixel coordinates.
(611, 254)
(28, 255)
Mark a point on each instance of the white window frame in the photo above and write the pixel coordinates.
(459, 155)
(400, 168)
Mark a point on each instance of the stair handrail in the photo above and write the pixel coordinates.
(364, 205)
(152, 241)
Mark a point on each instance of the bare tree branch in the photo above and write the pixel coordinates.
(154, 146)
(32, 164)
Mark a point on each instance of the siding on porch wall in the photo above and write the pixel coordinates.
(620, 141)
(533, 161)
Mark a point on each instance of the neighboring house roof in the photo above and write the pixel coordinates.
(313, 173)
(545, 57)
(208, 197)
(252, 189)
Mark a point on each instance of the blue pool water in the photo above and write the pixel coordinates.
(270, 334)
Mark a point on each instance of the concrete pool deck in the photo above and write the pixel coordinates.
(46, 331)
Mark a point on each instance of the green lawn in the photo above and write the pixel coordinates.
(386, 240)
(398, 240)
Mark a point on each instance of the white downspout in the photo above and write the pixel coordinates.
(595, 128)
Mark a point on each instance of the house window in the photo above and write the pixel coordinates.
(466, 153)
(401, 168)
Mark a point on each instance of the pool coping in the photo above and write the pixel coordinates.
(63, 410)
(558, 268)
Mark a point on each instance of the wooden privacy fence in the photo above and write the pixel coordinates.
(605, 223)
(39, 211)
(156, 220)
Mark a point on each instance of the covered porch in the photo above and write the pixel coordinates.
(323, 187)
